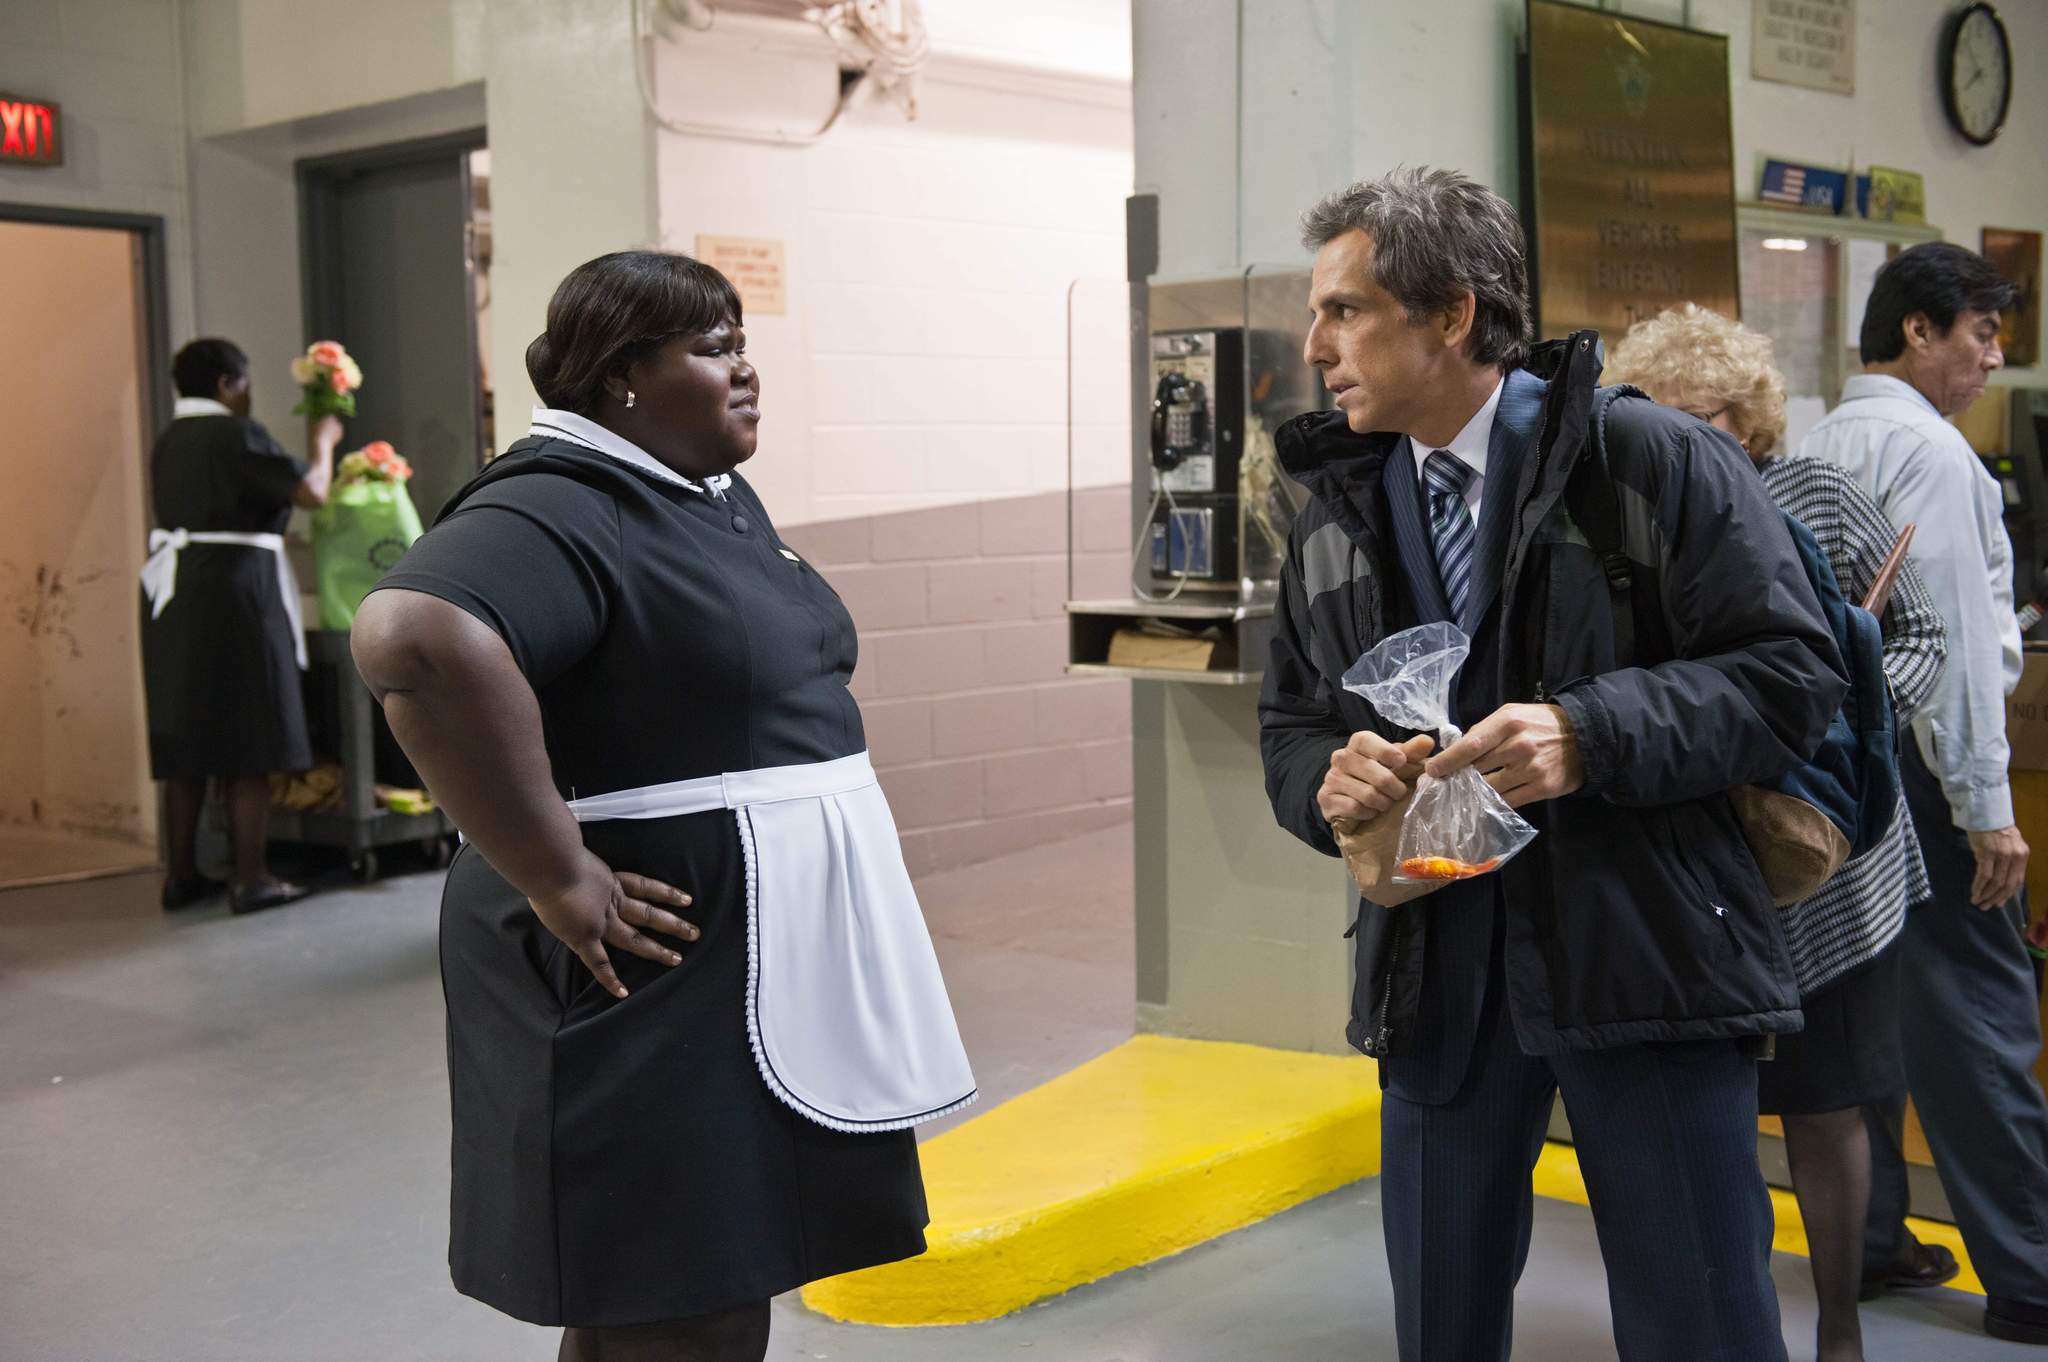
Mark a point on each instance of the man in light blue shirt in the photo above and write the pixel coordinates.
(1969, 1021)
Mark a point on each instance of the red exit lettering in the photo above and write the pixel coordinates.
(29, 131)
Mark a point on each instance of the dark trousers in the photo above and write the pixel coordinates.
(1970, 1025)
(1666, 1138)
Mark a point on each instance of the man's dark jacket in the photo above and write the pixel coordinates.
(1638, 913)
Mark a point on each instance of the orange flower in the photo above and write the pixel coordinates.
(339, 381)
(326, 352)
(379, 451)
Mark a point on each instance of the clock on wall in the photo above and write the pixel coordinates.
(1976, 73)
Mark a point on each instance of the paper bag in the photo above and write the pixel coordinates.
(1370, 853)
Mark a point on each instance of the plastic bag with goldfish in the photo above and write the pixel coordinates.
(1458, 827)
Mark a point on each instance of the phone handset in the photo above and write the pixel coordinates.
(1180, 419)
(1180, 427)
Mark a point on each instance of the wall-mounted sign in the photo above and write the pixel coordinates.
(1896, 196)
(755, 268)
(2017, 255)
(31, 131)
(1633, 169)
(1805, 42)
(1796, 186)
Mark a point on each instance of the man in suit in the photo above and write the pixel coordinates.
(1630, 957)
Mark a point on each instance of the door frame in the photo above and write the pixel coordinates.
(149, 228)
(320, 290)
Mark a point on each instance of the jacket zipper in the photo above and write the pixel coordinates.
(1384, 1036)
(1728, 927)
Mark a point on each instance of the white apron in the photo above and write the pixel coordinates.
(160, 572)
(846, 1009)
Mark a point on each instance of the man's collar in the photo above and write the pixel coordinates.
(1471, 443)
(198, 406)
(1884, 385)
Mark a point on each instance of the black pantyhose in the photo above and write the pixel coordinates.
(736, 1335)
(1830, 1156)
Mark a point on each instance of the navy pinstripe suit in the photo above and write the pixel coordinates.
(1666, 1133)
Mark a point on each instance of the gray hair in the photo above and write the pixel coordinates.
(1436, 236)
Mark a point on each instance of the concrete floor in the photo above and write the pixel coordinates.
(226, 1139)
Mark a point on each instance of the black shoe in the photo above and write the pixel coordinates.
(275, 894)
(184, 893)
(1919, 1267)
(2016, 1321)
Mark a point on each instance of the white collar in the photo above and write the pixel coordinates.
(554, 423)
(1884, 385)
(1470, 444)
(197, 406)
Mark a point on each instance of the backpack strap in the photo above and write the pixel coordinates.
(1596, 509)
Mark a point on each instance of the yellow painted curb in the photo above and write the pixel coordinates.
(1558, 1177)
(1150, 1149)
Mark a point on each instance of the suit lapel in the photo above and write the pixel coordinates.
(1515, 423)
(1411, 536)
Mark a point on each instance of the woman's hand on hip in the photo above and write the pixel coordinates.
(601, 908)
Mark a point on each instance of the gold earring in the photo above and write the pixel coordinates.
(629, 397)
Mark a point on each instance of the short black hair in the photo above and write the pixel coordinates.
(1937, 278)
(198, 369)
(611, 311)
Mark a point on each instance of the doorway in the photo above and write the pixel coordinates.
(396, 261)
(82, 393)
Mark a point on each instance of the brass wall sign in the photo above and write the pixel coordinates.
(1630, 180)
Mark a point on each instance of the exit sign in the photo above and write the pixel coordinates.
(30, 131)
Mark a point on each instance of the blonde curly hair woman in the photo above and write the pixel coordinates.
(1849, 1054)
(1700, 362)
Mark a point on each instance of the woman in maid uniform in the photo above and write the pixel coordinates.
(222, 645)
(693, 1011)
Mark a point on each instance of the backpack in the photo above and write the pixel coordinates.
(1805, 824)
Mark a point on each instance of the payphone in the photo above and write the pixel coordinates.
(1220, 506)
(2021, 468)
(1197, 444)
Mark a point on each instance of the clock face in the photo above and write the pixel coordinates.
(1980, 75)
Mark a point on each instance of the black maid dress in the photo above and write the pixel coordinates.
(622, 1161)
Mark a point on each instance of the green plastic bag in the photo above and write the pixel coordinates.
(358, 536)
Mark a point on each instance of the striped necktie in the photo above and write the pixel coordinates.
(1450, 524)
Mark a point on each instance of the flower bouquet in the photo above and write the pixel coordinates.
(327, 380)
(376, 461)
(364, 529)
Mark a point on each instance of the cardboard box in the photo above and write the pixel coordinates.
(2026, 715)
(1137, 648)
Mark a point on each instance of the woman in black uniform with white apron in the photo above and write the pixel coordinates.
(693, 1011)
(222, 646)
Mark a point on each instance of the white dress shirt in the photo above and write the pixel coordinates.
(1469, 446)
(1920, 469)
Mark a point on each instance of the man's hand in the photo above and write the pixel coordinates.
(1363, 782)
(1526, 752)
(2001, 866)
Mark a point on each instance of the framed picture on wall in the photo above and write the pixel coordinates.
(2017, 256)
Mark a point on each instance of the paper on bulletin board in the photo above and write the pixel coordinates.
(1866, 258)
(756, 269)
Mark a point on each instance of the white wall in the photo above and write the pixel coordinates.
(263, 62)
(923, 359)
(1335, 90)
(114, 67)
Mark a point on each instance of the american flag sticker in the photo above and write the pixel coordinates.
(1798, 186)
